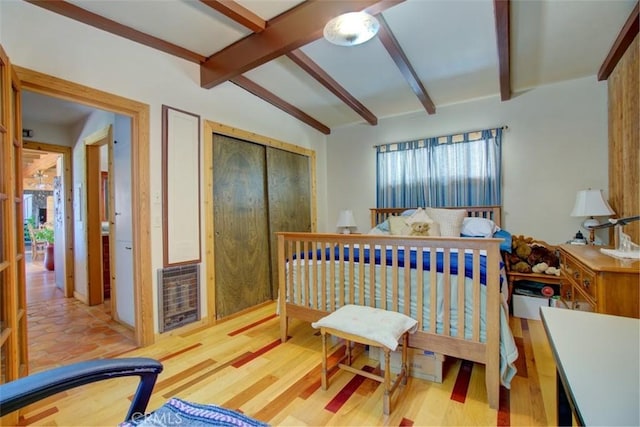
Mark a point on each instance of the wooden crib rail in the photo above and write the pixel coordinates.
(313, 282)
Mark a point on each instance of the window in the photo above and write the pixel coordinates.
(454, 170)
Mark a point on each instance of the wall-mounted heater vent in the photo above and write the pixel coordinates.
(178, 296)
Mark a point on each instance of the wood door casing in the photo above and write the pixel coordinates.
(289, 190)
(241, 239)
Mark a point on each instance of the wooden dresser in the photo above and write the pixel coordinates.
(593, 281)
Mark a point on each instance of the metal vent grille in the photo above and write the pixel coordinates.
(178, 296)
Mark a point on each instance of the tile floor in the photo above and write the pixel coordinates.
(64, 330)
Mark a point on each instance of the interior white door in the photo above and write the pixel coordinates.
(123, 224)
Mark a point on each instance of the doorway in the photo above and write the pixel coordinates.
(138, 113)
(46, 176)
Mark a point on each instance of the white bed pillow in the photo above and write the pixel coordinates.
(419, 215)
(401, 226)
(450, 220)
(398, 226)
(378, 232)
(478, 227)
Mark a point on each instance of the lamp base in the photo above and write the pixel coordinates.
(588, 224)
(346, 230)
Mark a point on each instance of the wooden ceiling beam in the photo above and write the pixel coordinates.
(314, 70)
(625, 38)
(503, 35)
(397, 54)
(43, 163)
(238, 13)
(284, 33)
(72, 11)
(280, 103)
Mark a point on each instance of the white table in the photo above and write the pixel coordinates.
(598, 366)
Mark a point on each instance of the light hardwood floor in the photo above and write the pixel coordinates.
(241, 364)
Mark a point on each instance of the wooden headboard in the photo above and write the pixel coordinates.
(493, 213)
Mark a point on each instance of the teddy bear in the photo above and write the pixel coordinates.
(544, 268)
(541, 254)
(419, 229)
(528, 256)
(521, 267)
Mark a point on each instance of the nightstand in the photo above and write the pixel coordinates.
(593, 281)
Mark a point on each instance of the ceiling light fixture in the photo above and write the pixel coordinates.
(351, 29)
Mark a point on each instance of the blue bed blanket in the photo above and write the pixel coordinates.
(348, 253)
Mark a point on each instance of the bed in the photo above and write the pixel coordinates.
(464, 315)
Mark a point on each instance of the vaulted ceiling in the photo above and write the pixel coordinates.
(427, 54)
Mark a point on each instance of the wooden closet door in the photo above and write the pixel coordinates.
(289, 188)
(241, 237)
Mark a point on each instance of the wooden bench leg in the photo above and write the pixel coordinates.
(386, 404)
(404, 371)
(324, 360)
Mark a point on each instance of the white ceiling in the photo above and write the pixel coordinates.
(451, 45)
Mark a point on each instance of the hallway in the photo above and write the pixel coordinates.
(63, 330)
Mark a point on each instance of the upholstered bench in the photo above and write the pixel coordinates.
(373, 327)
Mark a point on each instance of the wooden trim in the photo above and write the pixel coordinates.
(210, 277)
(93, 224)
(139, 114)
(280, 103)
(166, 172)
(321, 76)
(627, 34)
(86, 17)
(98, 136)
(209, 129)
(402, 62)
(501, 9)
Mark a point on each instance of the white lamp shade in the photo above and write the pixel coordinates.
(591, 203)
(346, 219)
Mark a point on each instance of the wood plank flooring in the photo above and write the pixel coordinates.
(241, 364)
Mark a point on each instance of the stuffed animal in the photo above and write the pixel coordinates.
(541, 254)
(523, 251)
(540, 268)
(529, 256)
(521, 267)
(419, 229)
(555, 271)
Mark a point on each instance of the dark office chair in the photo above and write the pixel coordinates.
(17, 394)
(24, 391)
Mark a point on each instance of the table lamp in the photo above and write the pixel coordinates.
(591, 203)
(346, 221)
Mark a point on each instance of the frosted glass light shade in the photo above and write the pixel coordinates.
(591, 203)
(351, 29)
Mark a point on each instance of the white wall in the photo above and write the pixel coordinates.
(48, 132)
(556, 144)
(52, 44)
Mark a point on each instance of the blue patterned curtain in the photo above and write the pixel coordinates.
(454, 170)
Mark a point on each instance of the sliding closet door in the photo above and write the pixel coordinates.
(289, 188)
(241, 237)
